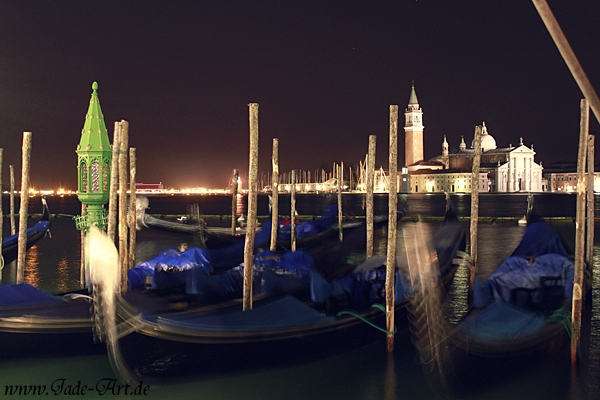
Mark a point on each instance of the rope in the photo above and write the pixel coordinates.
(563, 317)
(357, 315)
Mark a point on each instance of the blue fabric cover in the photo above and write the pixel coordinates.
(363, 288)
(540, 254)
(520, 273)
(137, 276)
(24, 294)
(272, 273)
(367, 284)
(41, 226)
(540, 238)
(170, 266)
(309, 228)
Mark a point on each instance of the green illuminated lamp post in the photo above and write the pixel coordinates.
(93, 167)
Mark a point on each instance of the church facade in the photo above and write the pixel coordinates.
(502, 170)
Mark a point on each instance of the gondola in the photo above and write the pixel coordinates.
(10, 244)
(308, 233)
(520, 316)
(280, 330)
(34, 323)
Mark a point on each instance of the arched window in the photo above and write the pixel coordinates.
(84, 178)
(95, 176)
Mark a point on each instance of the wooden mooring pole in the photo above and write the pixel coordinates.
(275, 195)
(369, 193)
(13, 225)
(293, 211)
(589, 243)
(114, 183)
(392, 226)
(1, 215)
(474, 207)
(568, 55)
(234, 194)
(123, 247)
(340, 179)
(24, 209)
(132, 207)
(252, 193)
(578, 278)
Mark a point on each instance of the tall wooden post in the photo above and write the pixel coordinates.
(24, 210)
(589, 252)
(393, 212)
(11, 171)
(474, 206)
(293, 211)
(369, 193)
(568, 55)
(275, 195)
(234, 193)
(123, 248)
(1, 214)
(578, 279)
(114, 183)
(340, 179)
(132, 208)
(252, 189)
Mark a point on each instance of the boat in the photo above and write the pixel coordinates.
(308, 233)
(34, 323)
(10, 244)
(520, 316)
(279, 330)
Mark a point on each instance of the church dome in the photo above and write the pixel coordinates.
(487, 141)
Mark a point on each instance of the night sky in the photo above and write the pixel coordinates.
(323, 72)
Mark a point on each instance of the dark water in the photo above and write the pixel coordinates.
(366, 373)
(490, 205)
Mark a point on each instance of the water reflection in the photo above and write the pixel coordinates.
(32, 264)
(62, 275)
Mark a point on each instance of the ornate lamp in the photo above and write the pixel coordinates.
(93, 166)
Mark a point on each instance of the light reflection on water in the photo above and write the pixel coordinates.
(31, 274)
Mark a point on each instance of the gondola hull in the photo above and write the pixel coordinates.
(10, 245)
(160, 352)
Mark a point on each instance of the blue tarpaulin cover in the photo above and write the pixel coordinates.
(41, 226)
(168, 268)
(24, 294)
(540, 254)
(309, 228)
(272, 273)
(367, 284)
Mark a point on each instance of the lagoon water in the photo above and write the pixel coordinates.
(365, 373)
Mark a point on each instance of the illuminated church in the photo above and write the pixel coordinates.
(502, 170)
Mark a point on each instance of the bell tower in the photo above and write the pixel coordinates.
(413, 130)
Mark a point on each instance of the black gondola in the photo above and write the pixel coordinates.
(281, 330)
(520, 316)
(10, 244)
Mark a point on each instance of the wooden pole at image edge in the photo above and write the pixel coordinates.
(578, 278)
(568, 55)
